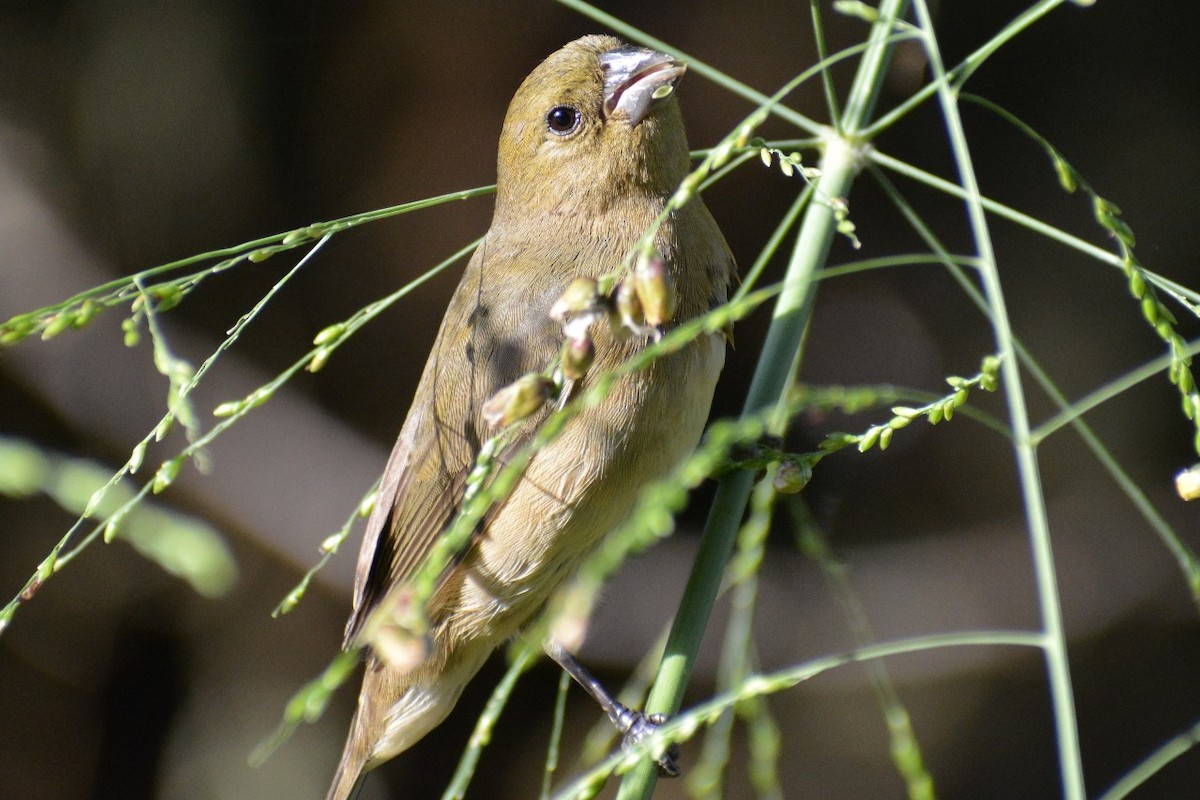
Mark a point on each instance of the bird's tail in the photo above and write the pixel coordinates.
(396, 709)
(348, 780)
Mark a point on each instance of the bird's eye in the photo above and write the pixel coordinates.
(563, 119)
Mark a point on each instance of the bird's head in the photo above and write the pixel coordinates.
(596, 120)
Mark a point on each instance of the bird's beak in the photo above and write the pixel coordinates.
(636, 80)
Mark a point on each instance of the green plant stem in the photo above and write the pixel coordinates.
(1153, 763)
(999, 209)
(959, 74)
(556, 730)
(1113, 389)
(1187, 561)
(1055, 645)
(525, 658)
(790, 320)
(688, 723)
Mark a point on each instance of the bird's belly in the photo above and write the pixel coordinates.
(581, 486)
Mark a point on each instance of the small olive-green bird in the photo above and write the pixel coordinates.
(592, 147)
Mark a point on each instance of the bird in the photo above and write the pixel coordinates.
(591, 150)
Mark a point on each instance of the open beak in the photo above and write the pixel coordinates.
(637, 79)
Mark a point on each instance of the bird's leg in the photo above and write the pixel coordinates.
(634, 726)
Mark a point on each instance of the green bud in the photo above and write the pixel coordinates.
(629, 307)
(1187, 483)
(113, 525)
(1185, 380)
(167, 297)
(856, 8)
(1137, 282)
(258, 397)
(399, 648)
(577, 356)
(792, 476)
(12, 335)
(517, 401)
(397, 632)
(94, 501)
(57, 324)
(296, 236)
(1066, 175)
(86, 313)
(720, 153)
(329, 333)
(136, 457)
(319, 359)
(130, 326)
(166, 474)
(228, 408)
(655, 290)
(367, 504)
(48, 566)
(580, 296)
(743, 135)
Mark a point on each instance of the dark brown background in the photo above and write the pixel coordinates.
(132, 134)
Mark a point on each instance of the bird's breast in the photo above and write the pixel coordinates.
(583, 485)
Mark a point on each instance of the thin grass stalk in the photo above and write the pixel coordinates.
(1025, 450)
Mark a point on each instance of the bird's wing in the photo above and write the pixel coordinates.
(488, 339)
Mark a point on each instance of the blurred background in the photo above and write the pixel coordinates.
(135, 133)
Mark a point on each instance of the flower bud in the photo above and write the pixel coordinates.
(579, 296)
(1187, 483)
(399, 637)
(629, 307)
(57, 324)
(520, 399)
(577, 356)
(166, 474)
(655, 290)
(792, 476)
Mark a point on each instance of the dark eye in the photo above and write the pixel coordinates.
(563, 119)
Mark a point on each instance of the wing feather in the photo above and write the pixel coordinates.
(425, 477)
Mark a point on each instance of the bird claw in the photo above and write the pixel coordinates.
(636, 727)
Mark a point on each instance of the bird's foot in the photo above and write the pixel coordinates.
(635, 727)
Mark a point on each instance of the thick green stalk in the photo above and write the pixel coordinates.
(790, 318)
